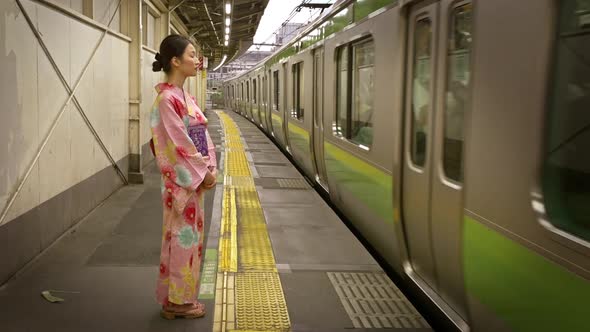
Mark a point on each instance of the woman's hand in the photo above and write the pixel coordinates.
(210, 180)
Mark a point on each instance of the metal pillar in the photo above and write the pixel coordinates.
(135, 32)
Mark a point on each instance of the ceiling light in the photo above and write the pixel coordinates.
(227, 30)
(227, 21)
(226, 42)
(228, 8)
(221, 63)
(226, 37)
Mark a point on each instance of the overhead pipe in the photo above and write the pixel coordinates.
(211, 21)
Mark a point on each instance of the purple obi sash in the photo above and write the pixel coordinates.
(199, 136)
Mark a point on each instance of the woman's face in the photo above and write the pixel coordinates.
(187, 65)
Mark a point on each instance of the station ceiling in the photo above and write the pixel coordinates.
(205, 20)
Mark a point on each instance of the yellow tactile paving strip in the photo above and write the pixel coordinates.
(228, 233)
(249, 295)
(261, 306)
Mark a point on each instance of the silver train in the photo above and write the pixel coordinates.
(455, 136)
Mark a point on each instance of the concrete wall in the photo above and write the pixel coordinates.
(72, 174)
(148, 96)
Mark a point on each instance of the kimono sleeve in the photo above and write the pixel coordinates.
(177, 156)
(211, 148)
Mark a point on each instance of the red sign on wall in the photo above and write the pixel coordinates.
(200, 66)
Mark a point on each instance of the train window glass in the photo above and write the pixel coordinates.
(259, 91)
(361, 117)
(247, 91)
(566, 172)
(298, 97)
(254, 91)
(340, 129)
(421, 90)
(301, 93)
(457, 91)
(263, 90)
(275, 85)
(317, 86)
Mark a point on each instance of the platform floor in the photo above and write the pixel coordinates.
(277, 258)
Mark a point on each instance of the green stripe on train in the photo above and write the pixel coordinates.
(299, 139)
(367, 183)
(277, 123)
(337, 23)
(525, 290)
(362, 8)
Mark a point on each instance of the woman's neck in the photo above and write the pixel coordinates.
(176, 79)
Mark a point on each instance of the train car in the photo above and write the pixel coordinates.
(453, 134)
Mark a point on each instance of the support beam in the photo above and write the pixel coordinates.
(266, 44)
(175, 4)
(88, 8)
(164, 26)
(135, 32)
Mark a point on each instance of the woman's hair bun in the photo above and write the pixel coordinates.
(157, 65)
(171, 47)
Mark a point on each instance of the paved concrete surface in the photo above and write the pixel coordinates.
(110, 260)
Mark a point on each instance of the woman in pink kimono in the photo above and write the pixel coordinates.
(186, 159)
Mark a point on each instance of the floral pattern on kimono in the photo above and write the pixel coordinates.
(183, 169)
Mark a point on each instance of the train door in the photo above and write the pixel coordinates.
(242, 99)
(263, 106)
(269, 102)
(273, 83)
(248, 100)
(255, 101)
(286, 106)
(318, 118)
(437, 98)
(259, 90)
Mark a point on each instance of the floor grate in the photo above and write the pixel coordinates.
(373, 301)
(293, 183)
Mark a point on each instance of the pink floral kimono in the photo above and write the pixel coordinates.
(183, 170)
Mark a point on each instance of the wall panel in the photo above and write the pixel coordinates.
(148, 94)
(35, 96)
(19, 132)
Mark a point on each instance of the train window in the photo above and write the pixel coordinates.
(361, 117)
(457, 91)
(566, 171)
(355, 78)
(421, 90)
(340, 129)
(254, 91)
(263, 90)
(247, 91)
(259, 91)
(275, 85)
(298, 97)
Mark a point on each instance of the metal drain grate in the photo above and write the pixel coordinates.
(261, 304)
(373, 301)
(293, 183)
